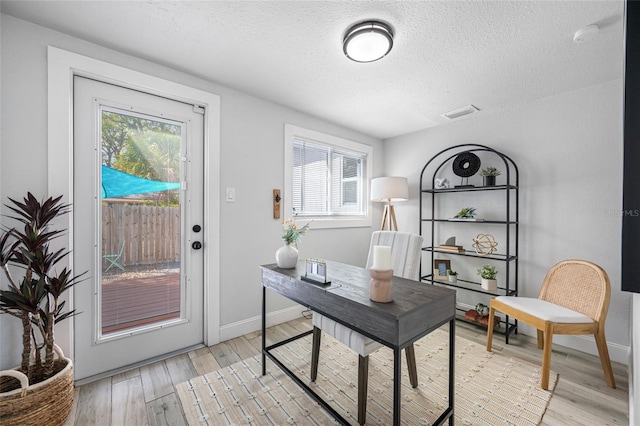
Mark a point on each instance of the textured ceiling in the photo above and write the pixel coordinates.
(446, 54)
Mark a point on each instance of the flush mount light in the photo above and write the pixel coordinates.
(368, 41)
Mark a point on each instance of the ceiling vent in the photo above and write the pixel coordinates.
(451, 115)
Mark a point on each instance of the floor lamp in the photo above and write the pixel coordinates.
(388, 189)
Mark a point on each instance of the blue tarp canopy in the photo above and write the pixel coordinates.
(118, 184)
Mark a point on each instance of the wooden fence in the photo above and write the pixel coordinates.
(149, 234)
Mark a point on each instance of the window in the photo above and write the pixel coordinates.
(326, 179)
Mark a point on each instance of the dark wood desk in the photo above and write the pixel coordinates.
(417, 309)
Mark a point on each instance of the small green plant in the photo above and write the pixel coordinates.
(488, 272)
(452, 272)
(292, 233)
(490, 171)
(466, 213)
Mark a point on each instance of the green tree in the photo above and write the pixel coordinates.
(118, 129)
(151, 155)
(115, 135)
(141, 147)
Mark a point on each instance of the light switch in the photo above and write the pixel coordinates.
(231, 195)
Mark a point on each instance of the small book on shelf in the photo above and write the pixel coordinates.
(455, 249)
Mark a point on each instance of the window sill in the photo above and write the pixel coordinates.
(320, 222)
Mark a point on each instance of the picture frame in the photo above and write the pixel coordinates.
(316, 272)
(441, 269)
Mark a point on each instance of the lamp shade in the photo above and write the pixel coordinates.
(389, 189)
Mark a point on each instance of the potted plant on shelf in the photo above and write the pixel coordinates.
(466, 213)
(489, 175)
(453, 276)
(40, 390)
(488, 274)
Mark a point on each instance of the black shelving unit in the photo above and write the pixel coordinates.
(439, 166)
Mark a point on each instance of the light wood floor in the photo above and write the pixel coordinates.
(146, 395)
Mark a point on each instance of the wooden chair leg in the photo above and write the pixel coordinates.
(490, 326)
(363, 379)
(315, 353)
(411, 365)
(603, 351)
(540, 339)
(546, 356)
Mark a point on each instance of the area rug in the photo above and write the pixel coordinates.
(490, 388)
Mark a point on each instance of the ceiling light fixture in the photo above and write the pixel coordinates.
(368, 41)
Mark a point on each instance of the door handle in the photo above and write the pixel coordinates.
(196, 245)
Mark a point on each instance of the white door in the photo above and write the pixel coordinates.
(138, 220)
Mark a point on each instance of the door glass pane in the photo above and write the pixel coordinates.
(141, 221)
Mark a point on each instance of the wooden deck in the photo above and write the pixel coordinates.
(133, 302)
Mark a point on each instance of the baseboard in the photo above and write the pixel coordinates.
(249, 325)
(587, 344)
(617, 353)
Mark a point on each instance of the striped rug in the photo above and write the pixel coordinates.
(491, 388)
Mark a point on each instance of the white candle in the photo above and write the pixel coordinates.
(381, 258)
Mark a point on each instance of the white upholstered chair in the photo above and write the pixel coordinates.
(574, 299)
(406, 251)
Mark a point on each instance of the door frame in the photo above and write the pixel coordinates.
(62, 66)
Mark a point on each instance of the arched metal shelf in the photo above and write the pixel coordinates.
(435, 168)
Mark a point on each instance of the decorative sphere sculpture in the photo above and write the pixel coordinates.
(484, 244)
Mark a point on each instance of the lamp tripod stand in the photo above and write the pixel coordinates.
(389, 218)
(386, 190)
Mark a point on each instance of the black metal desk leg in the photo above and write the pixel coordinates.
(397, 384)
(264, 331)
(452, 359)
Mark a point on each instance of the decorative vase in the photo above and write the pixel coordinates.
(490, 285)
(453, 279)
(287, 257)
(48, 402)
(489, 180)
(380, 286)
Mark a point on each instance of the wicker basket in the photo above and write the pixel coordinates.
(46, 403)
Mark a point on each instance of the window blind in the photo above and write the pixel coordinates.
(327, 180)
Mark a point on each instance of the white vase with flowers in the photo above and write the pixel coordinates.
(287, 255)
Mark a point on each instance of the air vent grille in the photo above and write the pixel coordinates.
(469, 109)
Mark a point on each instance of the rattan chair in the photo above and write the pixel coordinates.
(574, 299)
(406, 251)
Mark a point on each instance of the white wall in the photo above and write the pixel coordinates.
(568, 149)
(252, 132)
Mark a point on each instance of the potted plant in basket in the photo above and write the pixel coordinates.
(45, 376)
(489, 175)
(488, 274)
